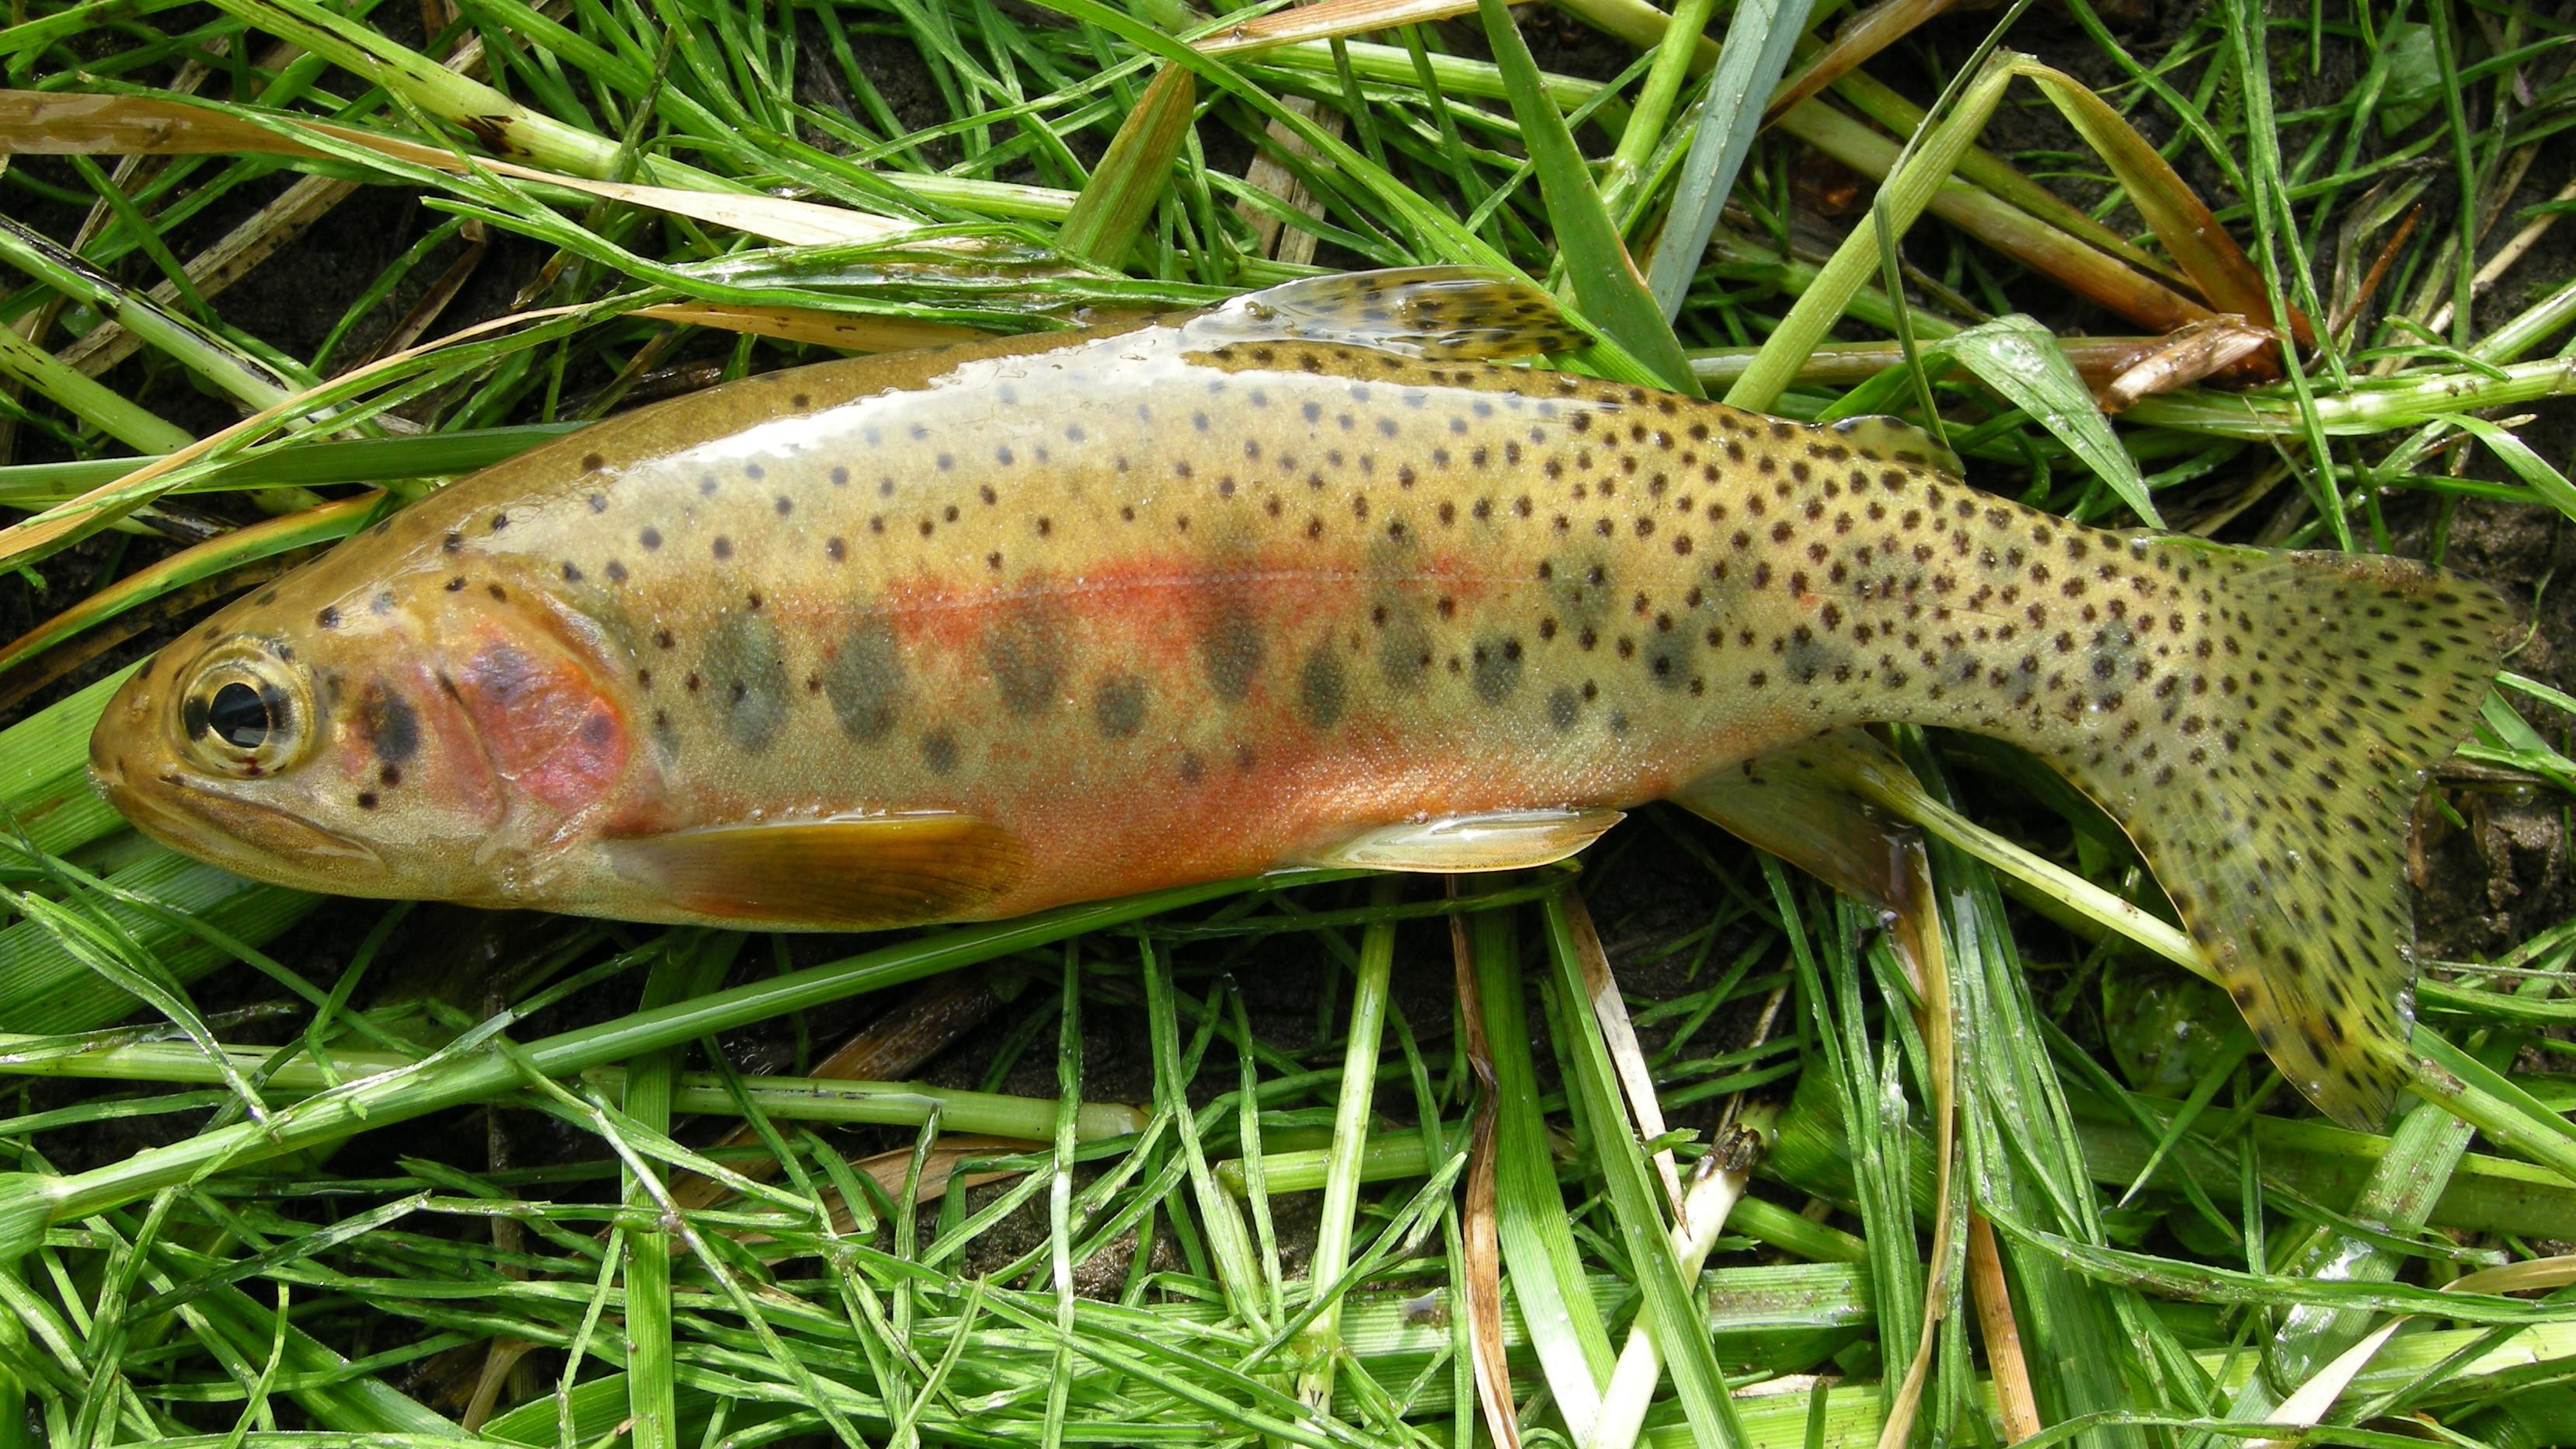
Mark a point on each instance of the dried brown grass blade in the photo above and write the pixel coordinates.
(1329, 19)
(2171, 209)
(431, 305)
(1627, 1058)
(228, 260)
(2185, 356)
(2002, 1334)
(939, 1170)
(2037, 244)
(1271, 237)
(2350, 313)
(1482, 1241)
(844, 330)
(1861, 36)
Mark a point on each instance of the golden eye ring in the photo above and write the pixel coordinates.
(246, 712)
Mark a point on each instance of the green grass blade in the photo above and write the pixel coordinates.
(1900, 201)
(1131, 179)
(1542, 1266)
(2019, 359)
(1759, 41)
(1676, 1326)
(1607, 288)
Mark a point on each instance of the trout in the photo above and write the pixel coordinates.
(1317, 577)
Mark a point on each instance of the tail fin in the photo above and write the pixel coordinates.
(2273, 800)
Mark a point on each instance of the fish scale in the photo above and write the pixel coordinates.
(1309, 578)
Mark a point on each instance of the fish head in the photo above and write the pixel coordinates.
(363, 730)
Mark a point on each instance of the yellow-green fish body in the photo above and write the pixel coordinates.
(971, 632)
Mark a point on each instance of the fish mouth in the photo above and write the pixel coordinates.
(251, 837)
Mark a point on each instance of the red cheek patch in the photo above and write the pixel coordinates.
(545, 725)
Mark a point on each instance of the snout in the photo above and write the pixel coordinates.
(122, 732)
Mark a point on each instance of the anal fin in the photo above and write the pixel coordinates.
(1806, 805)
(1450, 844)
(856, 873)
(1433, 313)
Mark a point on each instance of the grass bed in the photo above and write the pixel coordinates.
(1246, 1162)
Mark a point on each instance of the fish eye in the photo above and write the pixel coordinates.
(239, 716)
(246, 710)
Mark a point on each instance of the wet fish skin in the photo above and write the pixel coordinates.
(971, 632)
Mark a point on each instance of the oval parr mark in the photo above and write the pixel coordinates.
(1403, 646)
(1323, 694)
(1497, 669)
(1562, 707)
(1232, 649)
(745, 667)
(939, 752)
(1118, 706)
(864, 680)
(389, 723)
(1025, 652)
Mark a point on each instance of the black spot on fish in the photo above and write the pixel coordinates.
(1668, 659)
(864, 680)
(1118, 706)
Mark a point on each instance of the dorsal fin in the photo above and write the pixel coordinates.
(854, 874)
(1892, 440)
(1433, 313)
(1496, 840)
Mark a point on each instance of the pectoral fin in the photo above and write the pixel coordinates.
(861, 873)
(1499, 840)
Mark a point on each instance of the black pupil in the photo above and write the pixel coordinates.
(239, 716)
